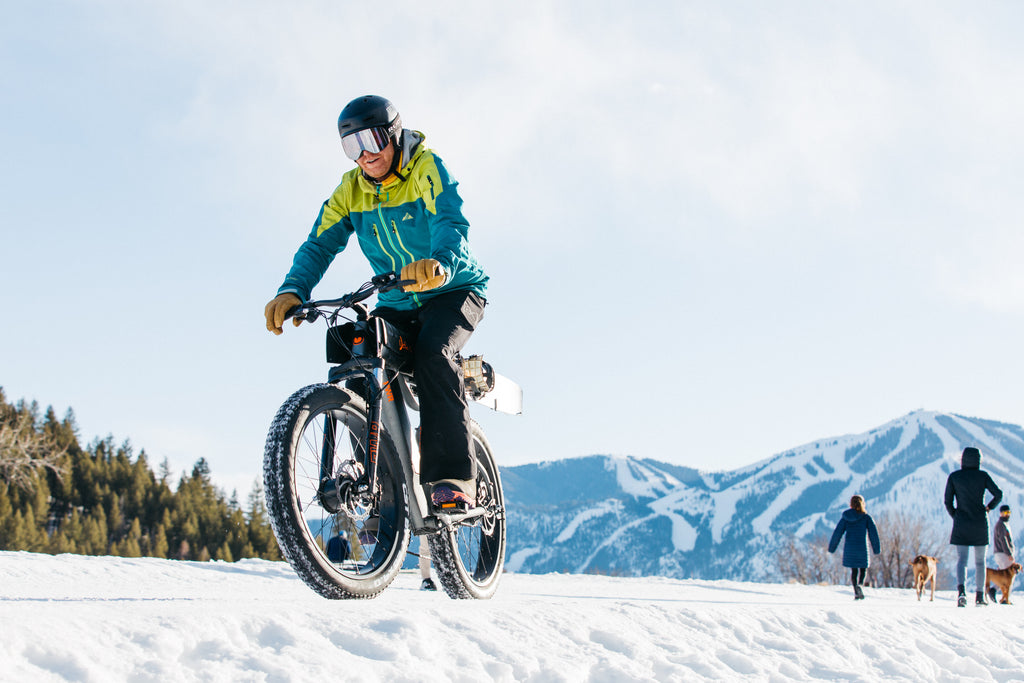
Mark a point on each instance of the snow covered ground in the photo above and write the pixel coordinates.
(105, 619)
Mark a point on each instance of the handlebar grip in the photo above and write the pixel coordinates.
(388, 281)
(295, 312)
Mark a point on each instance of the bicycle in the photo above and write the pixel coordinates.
(342, 459)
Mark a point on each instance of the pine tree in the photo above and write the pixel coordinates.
(20, 537)
(6, 520)
(261, 536)
(160, 546)
(96, 535)
(131, 545)
(165, 472)
(60, 543)
(39, 506)
(224, 553)
(115, 520)
(74, 532)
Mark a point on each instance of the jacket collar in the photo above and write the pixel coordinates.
(411, 150)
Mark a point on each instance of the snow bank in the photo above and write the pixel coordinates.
(110, 619)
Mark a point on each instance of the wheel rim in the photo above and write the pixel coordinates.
(478, 546)
(371, 526)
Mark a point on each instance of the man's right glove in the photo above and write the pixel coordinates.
(428, 274)
(278, 308)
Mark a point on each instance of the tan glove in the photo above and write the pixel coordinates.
(276, 310)
(428, 274)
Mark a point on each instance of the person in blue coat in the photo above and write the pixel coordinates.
(858, 526)
(338, 548)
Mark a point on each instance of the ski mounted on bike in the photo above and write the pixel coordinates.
(342, 458)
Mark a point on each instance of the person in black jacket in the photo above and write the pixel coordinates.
(858, 526)
(965, 502)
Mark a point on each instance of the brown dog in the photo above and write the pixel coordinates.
(924, 571)
(1003, 579)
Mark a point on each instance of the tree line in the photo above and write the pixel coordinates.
(58, 497)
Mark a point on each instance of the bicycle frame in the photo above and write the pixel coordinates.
(390, 412)
(338, 459)
(380, 383)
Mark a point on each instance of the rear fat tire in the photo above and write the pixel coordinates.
(469, 559)
(292, 445)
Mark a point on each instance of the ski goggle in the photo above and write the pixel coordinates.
(371, 140)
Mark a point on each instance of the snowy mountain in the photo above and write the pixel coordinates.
(633, 517)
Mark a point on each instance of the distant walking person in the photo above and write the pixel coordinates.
(1002, 545)
(858, 526)
(338, 548)
(1002, 539)
(965, 502)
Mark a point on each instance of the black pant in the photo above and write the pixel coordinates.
(439, 329)
(857, 575)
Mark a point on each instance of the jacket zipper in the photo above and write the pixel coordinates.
(384, 227)
(394, 229)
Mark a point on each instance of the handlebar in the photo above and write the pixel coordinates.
(311, 310)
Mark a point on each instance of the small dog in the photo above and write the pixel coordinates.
(924, 571)
(1003, 579)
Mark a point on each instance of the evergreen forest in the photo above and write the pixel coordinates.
(58, 497)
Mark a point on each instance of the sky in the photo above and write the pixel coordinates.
(714, 231)
(148, 619)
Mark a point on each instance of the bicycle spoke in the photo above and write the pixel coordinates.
(321, 443)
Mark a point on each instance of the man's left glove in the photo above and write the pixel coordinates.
(428, 274)
(278, 308)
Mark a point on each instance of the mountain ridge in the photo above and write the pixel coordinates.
(632, 516)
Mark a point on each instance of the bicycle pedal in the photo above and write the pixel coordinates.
(452, 518)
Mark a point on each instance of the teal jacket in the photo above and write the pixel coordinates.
(415, 214)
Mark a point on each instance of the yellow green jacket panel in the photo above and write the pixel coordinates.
(416, 215)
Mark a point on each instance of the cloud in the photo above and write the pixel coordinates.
(757, 122)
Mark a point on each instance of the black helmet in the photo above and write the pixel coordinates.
(370, 111)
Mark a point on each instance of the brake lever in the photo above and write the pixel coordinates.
(389, 281)
(399, 284)
(396, 284)
(298, 313)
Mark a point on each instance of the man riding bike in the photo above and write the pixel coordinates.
(403, 207)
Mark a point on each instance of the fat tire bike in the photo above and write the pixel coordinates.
(342, 459)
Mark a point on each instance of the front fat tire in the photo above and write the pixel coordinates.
(286, 443)
(470, 559)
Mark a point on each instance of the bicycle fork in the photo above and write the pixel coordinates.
(388, 402)
(352, 487)
(387, 412)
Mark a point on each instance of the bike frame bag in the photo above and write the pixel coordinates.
(375, 337)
